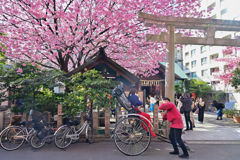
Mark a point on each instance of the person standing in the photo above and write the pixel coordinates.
(201, 106)
(187, 106)
(152, 102)
(174, 116)
(191, 114)
(219, 107)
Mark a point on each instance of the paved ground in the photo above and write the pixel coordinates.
(213, 131)
(108, 151)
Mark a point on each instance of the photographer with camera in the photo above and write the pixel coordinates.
(201, 106)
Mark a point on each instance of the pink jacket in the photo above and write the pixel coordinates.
(172, 115)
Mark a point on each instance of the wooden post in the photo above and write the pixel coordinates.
(49, 116)
(107, 121)
(170, 66)
(155, 118)
(25, 116)
(59, 121)
(11, 115)
(95, 122)
(2, 121)
(144, 100)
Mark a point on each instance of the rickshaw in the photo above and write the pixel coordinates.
(133, 132)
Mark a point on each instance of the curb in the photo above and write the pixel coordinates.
(214, 142)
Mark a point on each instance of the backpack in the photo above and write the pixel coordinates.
(223, 106)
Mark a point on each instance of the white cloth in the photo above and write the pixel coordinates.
(152, 100)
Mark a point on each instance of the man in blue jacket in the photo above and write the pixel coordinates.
(187, 106)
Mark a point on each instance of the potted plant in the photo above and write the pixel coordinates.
(236, 117)
(228, 113)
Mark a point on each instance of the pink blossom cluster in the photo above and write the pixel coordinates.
(231, 59)
(63, 34)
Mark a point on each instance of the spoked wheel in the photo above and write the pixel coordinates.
(35, 142)
(61, 140)
(132, 136)
(12, 138)
(90, 134)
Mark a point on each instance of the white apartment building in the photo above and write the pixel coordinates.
(198, 61)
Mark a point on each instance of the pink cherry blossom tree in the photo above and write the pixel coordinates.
(231, 59)
(64, 34)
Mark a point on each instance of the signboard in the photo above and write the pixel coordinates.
(59, 120)
(229, 105)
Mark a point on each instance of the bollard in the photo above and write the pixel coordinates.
(107, 121)
(59, 121)
(155, 118)
(2, 121)
(95, 122)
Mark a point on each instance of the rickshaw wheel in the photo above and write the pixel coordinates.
(132, 136)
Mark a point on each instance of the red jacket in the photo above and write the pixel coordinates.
(172, 115)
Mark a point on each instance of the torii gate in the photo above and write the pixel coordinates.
(209, 25)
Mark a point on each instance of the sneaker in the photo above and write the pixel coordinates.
(183, 156)
(190, 129)
(186, 130)
(174, 153)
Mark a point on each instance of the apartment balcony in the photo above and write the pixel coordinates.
(213, 61)
(178, 58)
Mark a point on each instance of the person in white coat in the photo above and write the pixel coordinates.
(152, 102)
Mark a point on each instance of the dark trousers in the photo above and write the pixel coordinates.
(175, 136)
(187, 119)
(201, 114)
(219, 113)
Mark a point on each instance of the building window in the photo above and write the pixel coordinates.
(227, 37)
(193, 52)
(214, 16)
(186, 55)
(215, 56)
(213, 70)
(194, 63)
(204, 72)
(224, 11)
(194, 74)
(203, 49)
(204, 61)
(186, 66)
(212, 5)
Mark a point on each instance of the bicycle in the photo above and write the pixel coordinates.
(13, 137)
(67, 134)
(44, 132)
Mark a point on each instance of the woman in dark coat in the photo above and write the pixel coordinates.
(219, 107)
(201, 106)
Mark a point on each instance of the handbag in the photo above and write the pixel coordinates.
(182, 110)
(194, 109)
(197, 111)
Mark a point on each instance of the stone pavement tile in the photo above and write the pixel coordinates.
(207, 131)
